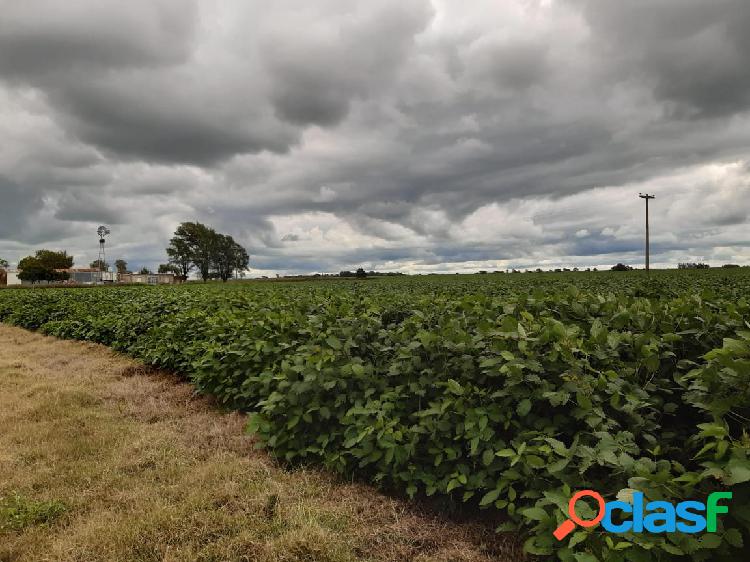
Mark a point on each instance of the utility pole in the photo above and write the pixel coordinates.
(646, 196)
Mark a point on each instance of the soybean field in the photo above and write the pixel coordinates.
(506, 392)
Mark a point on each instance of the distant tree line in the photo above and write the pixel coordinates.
(197, 246)
(537, 270)
(100, 265)
(169, 268)
(621, 267)
(122, 267)
(361, 273)
(692, 265)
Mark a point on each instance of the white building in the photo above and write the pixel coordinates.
(11, 277)
(148, 278)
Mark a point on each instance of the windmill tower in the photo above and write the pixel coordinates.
(103, 232)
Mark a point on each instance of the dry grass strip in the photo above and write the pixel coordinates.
(149, 472)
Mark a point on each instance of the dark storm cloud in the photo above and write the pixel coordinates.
(22, 218)
(48, 37)
(18, 203)
(604, 245)
(351, 53)
(411, 133)
(119, 77)
(729, 217)
(516, 65)
(695, 53)
(88, 207)
(153, 122)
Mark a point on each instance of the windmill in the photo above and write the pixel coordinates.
(103, 232)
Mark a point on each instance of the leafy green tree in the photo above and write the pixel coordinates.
(213, 254)
(228, 257)
(45, 265)
(3, 263)
(121, 266)
(32, 270)
(54, 260)
(180, 253)
(621, 267)
(145, 271)
(196, 241)
(101, 265)
(169, 268)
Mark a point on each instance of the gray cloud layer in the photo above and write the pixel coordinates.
(408, 135)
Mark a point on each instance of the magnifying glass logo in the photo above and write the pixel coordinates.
(567, 526)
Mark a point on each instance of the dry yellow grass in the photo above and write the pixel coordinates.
(148, 472)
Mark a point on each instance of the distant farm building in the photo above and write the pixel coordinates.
(89, 276)
(147, 278)
(9, 277)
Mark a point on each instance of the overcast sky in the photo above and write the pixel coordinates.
(393, 134)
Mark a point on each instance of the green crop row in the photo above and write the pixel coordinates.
(509, 392)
